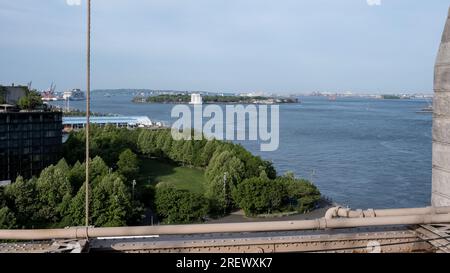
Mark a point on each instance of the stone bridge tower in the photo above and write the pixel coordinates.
(441, 123)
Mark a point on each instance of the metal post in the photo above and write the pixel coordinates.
(88, 106)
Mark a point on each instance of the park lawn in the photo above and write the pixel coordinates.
(155, 171)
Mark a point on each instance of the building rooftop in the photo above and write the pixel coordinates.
(130, 120)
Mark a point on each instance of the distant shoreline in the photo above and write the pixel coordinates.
(186, 99)
(187, 103)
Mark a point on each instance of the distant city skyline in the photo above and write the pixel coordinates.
(358, 46)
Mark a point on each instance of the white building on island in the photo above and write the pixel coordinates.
(196, 98)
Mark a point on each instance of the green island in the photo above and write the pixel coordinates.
(390, 97)
(180, 98)
(141, 172)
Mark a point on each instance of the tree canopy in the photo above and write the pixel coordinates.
(30, 101)
(235, 178)
(128, 164)
(180, 206)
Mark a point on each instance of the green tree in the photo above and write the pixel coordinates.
(106, 142)
(147, 142)
(207, 152)
(54, 194)
(300, 194)
(224, 173)
(63, 166)
(77, 176)
(77, 208)
(97, 170)
(269, 169)
(74, 147)
(167, 146)
(253, 164)
(176, 151)
(179, 206)
(30, 101)
(7, 219)
(198, 146)
(160, 141)
(2, 197)
(109, 142)
(259, 195)
(22, 197)
(128, 164)
(187, 153)
(111, 202)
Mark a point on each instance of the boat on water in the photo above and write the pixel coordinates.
(426, 110)
(74, 95)
(49, 94)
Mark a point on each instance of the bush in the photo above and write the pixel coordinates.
(299, 194)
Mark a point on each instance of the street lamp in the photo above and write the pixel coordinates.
(225, 192)
(132, 188)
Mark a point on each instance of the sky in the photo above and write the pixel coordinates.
(278, 46)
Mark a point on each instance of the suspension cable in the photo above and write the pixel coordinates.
(88, 106)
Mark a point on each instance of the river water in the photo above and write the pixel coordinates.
(363, 153)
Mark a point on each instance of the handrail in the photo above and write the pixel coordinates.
(348, 213)
(321, 223)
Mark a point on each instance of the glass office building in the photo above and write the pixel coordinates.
(29, 142)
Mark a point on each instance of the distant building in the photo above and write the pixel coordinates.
(29, 140)
(196, 98)
(12, 94)
(76, 123)
(74, 94)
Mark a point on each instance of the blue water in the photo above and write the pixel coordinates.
(363, 153)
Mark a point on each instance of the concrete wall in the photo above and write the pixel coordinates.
(441, 123)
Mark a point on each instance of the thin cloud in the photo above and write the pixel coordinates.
(73, 2)
(374, 2)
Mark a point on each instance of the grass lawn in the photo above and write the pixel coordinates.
(155, 171)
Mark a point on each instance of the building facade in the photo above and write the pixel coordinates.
(29, 142)
(11, 94)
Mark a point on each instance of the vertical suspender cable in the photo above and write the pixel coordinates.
(88, 106)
